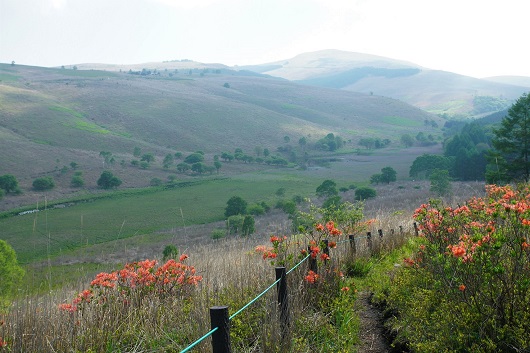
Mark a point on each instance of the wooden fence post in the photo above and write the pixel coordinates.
(221, 336)
(283, 300)
(416, 230)
(352, 244)
(312, 261)
(369, 240)
(380, 231)
(326, 246)
(400, 230)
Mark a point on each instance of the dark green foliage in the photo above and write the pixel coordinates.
(8, 183)
(107, 180)
(440, 182)
(256, 210)
(426, 163)
(280, 192)
(235, 206)
(155, 182)
(148, 157)
(1, 193)
(330, 143)
(194, 158)
(248, 226)
(168, 160)
(170, 252)
(183, 167)
(235, 223)
(327, 188)
(44, 183)
(77, 181)
(218, 233)
(287, 206)
(388, 175)
(364, 193)
(512, 141)
(332, 202)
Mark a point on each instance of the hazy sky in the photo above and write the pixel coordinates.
(472, 37)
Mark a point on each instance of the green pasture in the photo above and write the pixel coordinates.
(53, 231)
(401, 121)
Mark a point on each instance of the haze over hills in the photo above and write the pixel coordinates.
(436, 91)
(51, 117)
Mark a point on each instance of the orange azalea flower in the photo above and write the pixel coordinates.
(2, 343)
(311, 277)
(319, 227)
(183, 257)
(324, 257)
(462, 288)
(345, 289)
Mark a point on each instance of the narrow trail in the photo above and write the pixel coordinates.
(371, 334)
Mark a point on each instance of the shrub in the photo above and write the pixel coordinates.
(77, 181)
(287, 206)
(466, 289)
(218, 233)
(248, 226)
(234, 223)
(107, 180)
(256, 210)
(155, 182)
(235, 205)
(364, 193)
(170, 252)
(44, 183)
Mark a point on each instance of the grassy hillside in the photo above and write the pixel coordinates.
(52, 117)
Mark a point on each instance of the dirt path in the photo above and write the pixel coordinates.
(372, 330)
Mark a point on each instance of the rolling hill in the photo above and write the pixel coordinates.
(438, 92)
(51, 117)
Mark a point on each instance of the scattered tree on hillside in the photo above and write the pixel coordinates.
(77, 181)
(407, 140)
(330, 143)
(43, 183)
(148, 157)
(235, 206)
(137, 152)
(425, 164)
(74, 165)
(327, 188)
(108, 181)
(364, 193)
(194, 158)
(170, 252)
(9, 183)
(183, 167)
(440, 182)
(511, 142)
(248, 226)
(217, 165)
(168, 161)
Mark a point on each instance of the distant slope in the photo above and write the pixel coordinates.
(438, 92)
(51, 117)
(522, 81)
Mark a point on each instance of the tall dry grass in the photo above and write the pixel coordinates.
(233, 274)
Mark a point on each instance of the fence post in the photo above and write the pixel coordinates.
(352, 244)
(221, 337)
(312, 261)
(326, 246)
(283, 300)
(369, 240)
(416, 230)
(380, 231)
(400, 230)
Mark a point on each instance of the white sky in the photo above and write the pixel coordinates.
(477, 38)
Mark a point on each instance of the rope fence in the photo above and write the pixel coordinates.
(220, 321)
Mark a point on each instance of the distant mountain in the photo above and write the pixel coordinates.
(522, 81)
(438, 92)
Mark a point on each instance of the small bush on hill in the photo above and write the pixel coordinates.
(44, 183)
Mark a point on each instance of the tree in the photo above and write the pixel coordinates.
(440, 182)
(364, 193)
(77, 181)
(235, 206)
(8, 183)
(44, 183)
(108, 181)
(168, 160)
(388, 175)
(194, 158)
(170, 252)
(512, 141)
(217, 166)
(198, 168)
(183, 167)
(248, 226)
(407, 140)
(10, 272)
(327, 188)
(148, 157)
(137, 151)
(106, 156)
(426, 163)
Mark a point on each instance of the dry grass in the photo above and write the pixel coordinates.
(233, 275)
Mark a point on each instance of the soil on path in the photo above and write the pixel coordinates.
(372, 339)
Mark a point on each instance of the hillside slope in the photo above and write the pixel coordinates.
(436, 91)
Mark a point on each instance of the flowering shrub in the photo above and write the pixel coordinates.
(472, 274)
(135, 281)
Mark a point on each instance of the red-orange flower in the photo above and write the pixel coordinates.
(345, 289)
(461, 287)
(2, 343)
(311, 277)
